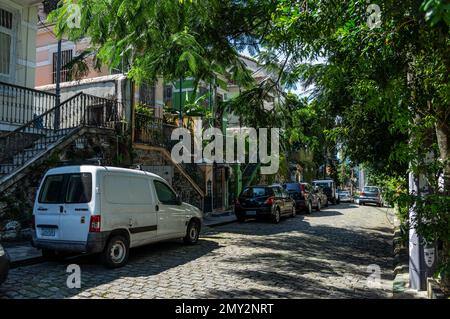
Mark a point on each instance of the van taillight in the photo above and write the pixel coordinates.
(269, 201)
(94, 226)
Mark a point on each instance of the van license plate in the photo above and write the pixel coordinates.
(48, 232)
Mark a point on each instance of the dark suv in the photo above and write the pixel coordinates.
(264, 201)
(304, 196)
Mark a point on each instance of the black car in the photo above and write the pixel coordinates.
(304, 196)
(4, 264)
(264, 201)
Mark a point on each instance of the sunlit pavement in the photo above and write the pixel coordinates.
(344, 251)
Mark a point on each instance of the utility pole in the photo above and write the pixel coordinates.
(58, 85)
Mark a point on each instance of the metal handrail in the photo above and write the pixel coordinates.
(19, 104)
(27, 88)
(40, 116)
(79, 110)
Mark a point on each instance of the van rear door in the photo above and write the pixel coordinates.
(75, 219)
(49, 208)
(62, 211)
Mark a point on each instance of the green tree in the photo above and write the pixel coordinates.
(387, 87)
(171, 38)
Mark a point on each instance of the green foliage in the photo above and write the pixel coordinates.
(387, 88)
(143, 109)
(171, 38)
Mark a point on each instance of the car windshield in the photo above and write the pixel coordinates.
(256, 192)
(292, 187)
(322, 184)
(371, 189)
(66, 188)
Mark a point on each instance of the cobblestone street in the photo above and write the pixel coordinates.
(329, 254)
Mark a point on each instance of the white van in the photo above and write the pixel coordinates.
(108, 210)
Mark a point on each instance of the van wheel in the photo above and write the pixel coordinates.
(116, 252)
(192, 233)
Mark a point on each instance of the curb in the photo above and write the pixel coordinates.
(401, 266)
(221, 223)
(26, 262)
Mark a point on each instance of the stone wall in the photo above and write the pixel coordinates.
(16, 203)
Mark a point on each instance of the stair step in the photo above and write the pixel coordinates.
(48, 138)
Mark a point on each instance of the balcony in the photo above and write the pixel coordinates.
(19, 105)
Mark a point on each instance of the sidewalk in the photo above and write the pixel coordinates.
(23, 253)
(217, 219)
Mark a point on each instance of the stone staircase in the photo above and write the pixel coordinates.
(34, 139)
(46, 140)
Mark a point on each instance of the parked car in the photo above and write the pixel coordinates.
(370, 194)
(345, 196)
(323, 198)
(4, 264)
(304, 196)
(329, 188)
(108, 210)
(263, 201)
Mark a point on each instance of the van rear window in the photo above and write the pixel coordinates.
(66, 188)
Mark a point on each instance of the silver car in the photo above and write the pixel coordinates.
(370, 194)
(345, 196)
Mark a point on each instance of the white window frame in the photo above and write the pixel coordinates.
(13, 34)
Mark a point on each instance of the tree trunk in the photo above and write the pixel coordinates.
(443, 139)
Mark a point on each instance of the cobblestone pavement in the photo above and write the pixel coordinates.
(324, 255)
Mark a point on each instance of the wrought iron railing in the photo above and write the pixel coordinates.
(22, 144)
(153, 131)
(19, 104)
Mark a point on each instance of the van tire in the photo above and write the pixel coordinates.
(116, 252)
(192, 233)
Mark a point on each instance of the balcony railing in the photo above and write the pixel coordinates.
(18, 104)
(153, 131)
(37, 134)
